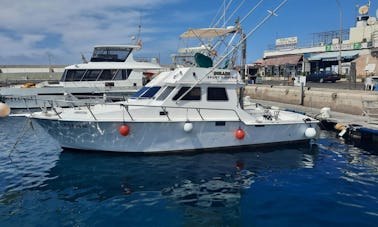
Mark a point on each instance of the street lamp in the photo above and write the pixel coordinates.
(340, 34)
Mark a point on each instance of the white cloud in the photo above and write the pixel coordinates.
(26, 26)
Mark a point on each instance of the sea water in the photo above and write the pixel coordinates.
(331, 183)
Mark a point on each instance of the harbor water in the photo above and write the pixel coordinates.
(330, 183)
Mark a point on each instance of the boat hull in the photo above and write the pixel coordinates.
(169, 136)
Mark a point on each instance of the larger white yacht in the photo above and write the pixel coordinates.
(111, 73)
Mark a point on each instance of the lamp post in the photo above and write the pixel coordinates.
(340, 38)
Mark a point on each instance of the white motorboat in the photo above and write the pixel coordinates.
(193, 107)
(189, 108)
(111, 73)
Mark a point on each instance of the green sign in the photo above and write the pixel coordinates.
(356, 46)
(328, 48)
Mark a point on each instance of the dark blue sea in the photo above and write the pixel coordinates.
(331, 183)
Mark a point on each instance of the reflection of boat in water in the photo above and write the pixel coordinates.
(202, 180)
(111, 73)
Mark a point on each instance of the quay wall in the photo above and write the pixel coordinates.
(339, 100)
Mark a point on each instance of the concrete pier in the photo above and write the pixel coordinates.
(339, 100)
(346, 107)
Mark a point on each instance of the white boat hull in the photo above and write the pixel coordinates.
(168, 136)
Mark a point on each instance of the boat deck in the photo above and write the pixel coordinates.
(364, 125)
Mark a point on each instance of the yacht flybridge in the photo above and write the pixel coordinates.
(111, 73)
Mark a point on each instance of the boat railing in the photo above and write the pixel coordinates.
(126, 107)
(33, 102)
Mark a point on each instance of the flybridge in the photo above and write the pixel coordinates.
(112, 53)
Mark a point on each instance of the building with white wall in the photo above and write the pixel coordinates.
(356, 47)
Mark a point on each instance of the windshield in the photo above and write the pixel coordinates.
(146, 92)
(113, 54)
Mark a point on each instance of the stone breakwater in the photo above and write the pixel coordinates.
(340, 100)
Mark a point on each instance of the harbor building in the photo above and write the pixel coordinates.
(352, 52)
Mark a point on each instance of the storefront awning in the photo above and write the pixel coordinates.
(284, 60)
(334, 56)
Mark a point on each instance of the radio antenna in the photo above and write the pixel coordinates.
(138, 41)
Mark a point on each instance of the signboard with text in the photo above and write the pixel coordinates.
(286, 43)
(349, 46)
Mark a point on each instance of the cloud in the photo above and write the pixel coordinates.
(64, 29)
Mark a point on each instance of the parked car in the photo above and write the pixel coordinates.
(323, 77)
(371, 83)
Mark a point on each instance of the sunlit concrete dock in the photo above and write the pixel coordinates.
(361, 127)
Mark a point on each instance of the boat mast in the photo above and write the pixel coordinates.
(243, 40)
(242, 63)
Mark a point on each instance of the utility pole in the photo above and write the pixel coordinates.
(340, 39)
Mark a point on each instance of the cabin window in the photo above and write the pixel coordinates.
(193, 94)
(91, 75)
(150, 92)
(107, 74)
(146, 92)
(140, 92)
(73, 75)
(216, 94)
(122, 74)
(165, 93)
(113, 54)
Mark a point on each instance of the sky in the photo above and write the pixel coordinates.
(57, 32)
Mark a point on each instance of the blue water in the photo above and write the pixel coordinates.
(330, 184)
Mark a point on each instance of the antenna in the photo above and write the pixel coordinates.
(83, 58)
(137, 38)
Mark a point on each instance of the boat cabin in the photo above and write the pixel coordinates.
(95, 74)
(192, 87)
(108, 63)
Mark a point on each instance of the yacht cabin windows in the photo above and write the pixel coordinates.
(164, 94)
(95, 74)
(112, 54)
(193, 95)
(139, 92)
(122, 74)
(216, 94)
(150, 92)
(73, 75)
(91, 75)
(107, 74)
(146, 92)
